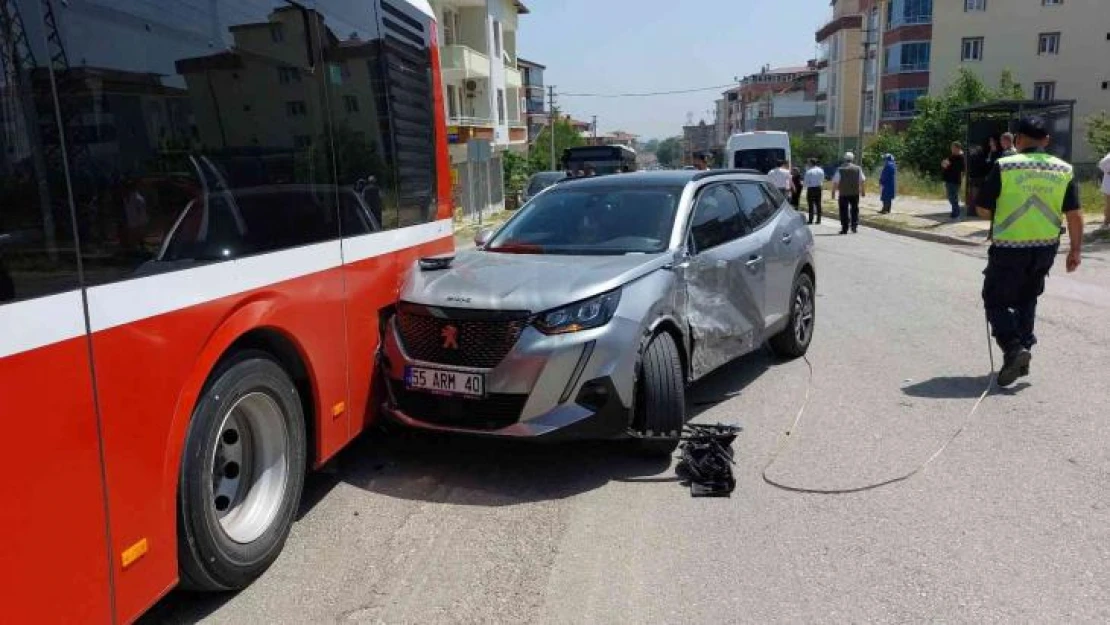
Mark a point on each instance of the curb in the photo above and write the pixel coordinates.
(906, 231)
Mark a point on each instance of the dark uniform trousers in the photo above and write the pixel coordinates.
(1014, 279)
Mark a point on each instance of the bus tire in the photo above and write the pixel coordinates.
(242, 472)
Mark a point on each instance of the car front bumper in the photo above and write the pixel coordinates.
(569, 386)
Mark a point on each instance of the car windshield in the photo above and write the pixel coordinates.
(592, 220)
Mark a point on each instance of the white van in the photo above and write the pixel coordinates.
(760, 150)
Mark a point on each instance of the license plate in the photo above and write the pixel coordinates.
(445, 381)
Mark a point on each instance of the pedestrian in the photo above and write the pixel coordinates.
(1006, 142)
(814, 182)
(952, 173)
(1026, 196)
(994, 152)
(701, 163)
(780, 177)
(888, 182)
(1104, 165)
(849, 182)
(796, 187)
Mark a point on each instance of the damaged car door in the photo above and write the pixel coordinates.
(725, 280)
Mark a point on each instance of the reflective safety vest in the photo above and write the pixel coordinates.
(1030, 207)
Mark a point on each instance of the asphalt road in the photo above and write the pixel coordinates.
(1010, 524)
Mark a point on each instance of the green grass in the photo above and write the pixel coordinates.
(1091, 198)
(913, 184)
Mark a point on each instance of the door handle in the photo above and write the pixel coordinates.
(754, 262)
(787, 238)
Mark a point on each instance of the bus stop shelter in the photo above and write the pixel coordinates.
(992, 119)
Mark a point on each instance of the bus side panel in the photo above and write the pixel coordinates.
(53, 550)
(144, 366)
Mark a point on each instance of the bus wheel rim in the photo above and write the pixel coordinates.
(249, 467)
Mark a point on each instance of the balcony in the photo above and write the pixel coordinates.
(463, 63)
(512, 78)
(471, 122)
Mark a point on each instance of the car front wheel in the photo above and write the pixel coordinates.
(660, 398)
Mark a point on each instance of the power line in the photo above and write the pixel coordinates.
(645, 94)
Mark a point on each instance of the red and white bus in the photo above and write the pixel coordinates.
(206, 207)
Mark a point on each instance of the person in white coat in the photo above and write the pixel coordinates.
(1104, 165)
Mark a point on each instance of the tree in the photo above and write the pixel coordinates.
(669, 152)
(886, 141)
(517, 168)
(539, 156)
(939, 121)
(806, 146)
(652, 146)
(1098, 133)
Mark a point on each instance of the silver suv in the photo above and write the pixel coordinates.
(588, 313)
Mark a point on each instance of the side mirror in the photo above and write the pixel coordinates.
(482, 238)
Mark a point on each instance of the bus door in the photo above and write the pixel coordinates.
(53, 531)
(209, 216)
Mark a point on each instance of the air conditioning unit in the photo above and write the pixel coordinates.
(471, 86)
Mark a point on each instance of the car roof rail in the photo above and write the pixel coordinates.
(701, 175)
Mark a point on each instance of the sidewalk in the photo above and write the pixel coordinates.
(467, 229)
(929, 220)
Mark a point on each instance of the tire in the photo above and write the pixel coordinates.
(660, 405)
(793, 341)
(233, 524)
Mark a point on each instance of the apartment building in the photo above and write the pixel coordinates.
(1056, 49)
(783, 98)
(841, 68)
(906, 41)
(482, 92)
(535, 97)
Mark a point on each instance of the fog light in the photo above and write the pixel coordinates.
(594, 394)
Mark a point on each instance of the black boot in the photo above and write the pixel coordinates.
(1015, 364)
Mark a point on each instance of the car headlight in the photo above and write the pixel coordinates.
(591, 313)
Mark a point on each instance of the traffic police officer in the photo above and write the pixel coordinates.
(1026, 197)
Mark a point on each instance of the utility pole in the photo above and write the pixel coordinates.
(594, 126)
(552, 116)
(867, 31)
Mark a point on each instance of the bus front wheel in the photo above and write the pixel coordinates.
(241, 474)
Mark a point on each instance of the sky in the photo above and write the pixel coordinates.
(634, 46)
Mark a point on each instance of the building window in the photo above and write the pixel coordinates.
(288, 75)
(909, 56)
(1049, 43)
(501, 106)
(1044, 91)
(277, 33)
(497, 39)
(975, 5)
(901, 103)
(903, 12)
(1051, 3)
(972, 49)
(350, 102)
(296, 108)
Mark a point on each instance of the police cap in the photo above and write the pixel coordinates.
(1032, 126)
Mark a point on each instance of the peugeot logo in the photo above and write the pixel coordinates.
(450, 336)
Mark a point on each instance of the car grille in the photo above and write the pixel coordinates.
(482, 338)
(490, 413)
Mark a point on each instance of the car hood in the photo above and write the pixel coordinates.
(533, 282)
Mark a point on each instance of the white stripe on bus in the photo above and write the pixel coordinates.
(46, 320)
(52, 319)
